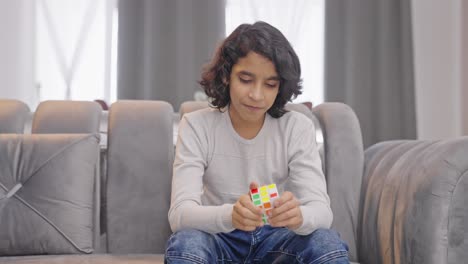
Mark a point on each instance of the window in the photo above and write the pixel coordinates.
(302, 22)
(76, 49)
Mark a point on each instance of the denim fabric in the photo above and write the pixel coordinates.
(264, 245)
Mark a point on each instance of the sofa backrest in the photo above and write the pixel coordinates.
(66, 117)
(13, 115)
(139, 173)
(190, 106)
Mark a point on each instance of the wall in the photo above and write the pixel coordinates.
(17, 48)
(439, 60)
(464, 71)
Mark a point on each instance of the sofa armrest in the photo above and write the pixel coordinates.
(344, 162)
(414, 204)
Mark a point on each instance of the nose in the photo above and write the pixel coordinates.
(256, 93)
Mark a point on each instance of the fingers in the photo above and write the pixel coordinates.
(286, 196)
(245, 224)
(252, 210)
(291, 219)
(246, 216)
(253, 185)
(286, 212)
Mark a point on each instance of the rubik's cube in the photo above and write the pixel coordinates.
(264, 198)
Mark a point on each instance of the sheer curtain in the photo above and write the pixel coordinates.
(76, 49)
(302, 22)
(17, 46)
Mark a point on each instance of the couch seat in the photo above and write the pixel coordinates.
(86, 259)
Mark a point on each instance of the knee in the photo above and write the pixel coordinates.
(191, 245)
(326, 243)
(329, 238)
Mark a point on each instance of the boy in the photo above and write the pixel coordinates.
(246, 140)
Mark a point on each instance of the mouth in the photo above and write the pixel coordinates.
(253, 108)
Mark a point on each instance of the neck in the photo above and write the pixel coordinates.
(245, 129)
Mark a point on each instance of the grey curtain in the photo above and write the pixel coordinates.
(163, 44)
(369, 65)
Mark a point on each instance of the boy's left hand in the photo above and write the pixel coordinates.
(286, 213)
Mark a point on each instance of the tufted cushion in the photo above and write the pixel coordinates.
(46, 193)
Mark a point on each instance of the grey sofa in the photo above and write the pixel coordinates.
(397, 202)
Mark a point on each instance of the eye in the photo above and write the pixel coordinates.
(272, 85)
(243, 80)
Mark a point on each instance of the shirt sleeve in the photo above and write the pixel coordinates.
(186, 210)
(307, 181)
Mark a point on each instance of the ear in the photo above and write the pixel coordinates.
(225, 81)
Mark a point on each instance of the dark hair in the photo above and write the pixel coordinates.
(261, 38)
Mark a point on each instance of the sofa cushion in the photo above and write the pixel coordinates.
(46, 193)
(90, 259)
(87, 259)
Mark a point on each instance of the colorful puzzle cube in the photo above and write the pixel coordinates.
(264, 198)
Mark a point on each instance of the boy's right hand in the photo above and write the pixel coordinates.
(245, 215)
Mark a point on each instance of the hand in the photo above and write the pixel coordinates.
(245, 215)
(286, 212)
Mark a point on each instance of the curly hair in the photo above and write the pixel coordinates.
(261, 38)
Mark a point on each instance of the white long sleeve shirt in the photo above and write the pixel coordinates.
(214, 166)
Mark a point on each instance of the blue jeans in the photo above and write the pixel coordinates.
(264, 245)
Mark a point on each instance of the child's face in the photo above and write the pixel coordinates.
(254, 85)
